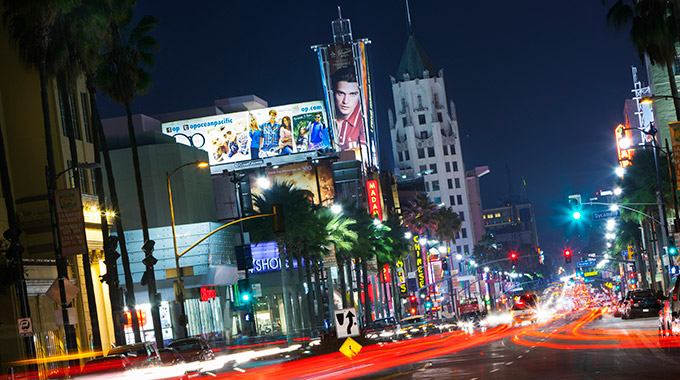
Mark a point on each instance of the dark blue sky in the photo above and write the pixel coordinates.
(538, 85)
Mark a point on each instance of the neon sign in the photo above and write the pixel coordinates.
(373, 192)
(420, 262)
(624, 142)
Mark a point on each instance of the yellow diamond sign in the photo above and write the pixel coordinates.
(350, 348)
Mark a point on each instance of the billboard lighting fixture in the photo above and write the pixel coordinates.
(263, 183)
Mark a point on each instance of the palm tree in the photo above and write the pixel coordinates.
(297, 212)
(448, 224)
(653, 32)
(420, 215)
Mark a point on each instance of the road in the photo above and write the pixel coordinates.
(579, 345)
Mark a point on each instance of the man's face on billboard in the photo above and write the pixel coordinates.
(346, 98)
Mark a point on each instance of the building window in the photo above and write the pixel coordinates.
(446, 150)
(440, 117)
(462, 216)
(423, 134)
(63, 116)
(93, 181)
(452, 200)
(423, 168)
(403, 121)
(430, 152)
(427, 186)
(74, 118)
(435, 185)
(407, 155)
(449, 182)
(86, 117)
(421, 119)
(467, 250)
(453, 149)
(460, 199)
(447, 165)
(401, 156)
(455, 166)
(458, 249)
(497, 215)
(463, 232)
(457, 235)
(437, 200)
(457, 183)
(433, 167)
(421, 153)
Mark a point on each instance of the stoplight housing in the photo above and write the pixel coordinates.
(244, 291)
(567, 256)
(575, 206)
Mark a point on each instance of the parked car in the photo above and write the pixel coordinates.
(641, 302)
(669, 316)
(109, 364)
(141, 355)
(193, 349)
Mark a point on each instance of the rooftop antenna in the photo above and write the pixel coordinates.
(339, 13)
(342, 29)
(408, 15)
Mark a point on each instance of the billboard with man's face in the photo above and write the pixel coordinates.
(346, 80)
(259, 133)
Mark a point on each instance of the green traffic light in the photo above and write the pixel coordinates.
(576, 215)
(672, 250)
(245, 297)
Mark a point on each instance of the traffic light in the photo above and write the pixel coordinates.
(279, 224)
(567, 256)
(428, 303)
(414, 304)
(445, 264)
(244, 291)
(244, 257)
(15, 249)
(575, 206)
(671, 248)
(149, 261)
(513, 257)
(633, 278)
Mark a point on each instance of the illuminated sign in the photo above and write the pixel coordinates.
(420, 261)
(266, 258)
(624, 144)
(401, 278)
(373, 193)
(259, 133)
(315, 180)
(207, 293)
(590, 274)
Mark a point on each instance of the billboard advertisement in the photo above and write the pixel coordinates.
(346, 81)
(315, 180)
(260, 133)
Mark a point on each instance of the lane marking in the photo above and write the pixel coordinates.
(520, 357)
(527, 351)
(508, 363)
(494, 370)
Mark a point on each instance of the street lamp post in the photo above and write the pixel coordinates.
(180, 281)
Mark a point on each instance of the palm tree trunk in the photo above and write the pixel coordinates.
(295, 293)
(343, 283)
(368, 309)
(62, 269)
(304, 315)
(151, 285)
(396, 296)
(318, 280)
(350, 283)
(357, 274)
(674, 90)
(130, 298)
(286, 293)
(310, 294)
(109, 255)
(71, 124)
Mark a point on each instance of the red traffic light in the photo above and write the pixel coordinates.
(413, 310)
(413, 298)
(513, 255)
(567, 252)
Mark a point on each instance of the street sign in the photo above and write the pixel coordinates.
(589, 274)
(350, 348)
(346, 323)
(466, 278)
(597, 215)
(25, 326)
(587, 263)
(70, 289)
(172, 272)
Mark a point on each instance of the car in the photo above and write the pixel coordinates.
(141, 355)
(109, 364)
(617, 307)
(524, 309)
(669, 316)
(381, 329)
(193, 349)
(170, 356)
(416, 325)
(642, 302)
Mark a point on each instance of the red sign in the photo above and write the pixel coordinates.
(207, 293)
(373, 192)
(386, 273)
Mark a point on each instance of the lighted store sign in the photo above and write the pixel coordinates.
(400, 277)
(624, 145)
(266, 258)
(420, 261)
(373, 192)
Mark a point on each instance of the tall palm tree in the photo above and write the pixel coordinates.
(299, 221)
(420, 215)
(653, 32)
(127, 54)
(448, 224)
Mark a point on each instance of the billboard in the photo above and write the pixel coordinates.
(315, 180)
(346, 82)
(260, 133)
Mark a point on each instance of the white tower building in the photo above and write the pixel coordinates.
(425, 138)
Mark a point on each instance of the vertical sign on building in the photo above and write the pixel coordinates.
(374, 198)
(71, 221)
(624, 145)
(401, 279)
(420, 261)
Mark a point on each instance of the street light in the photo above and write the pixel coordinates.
(180, 284)
(620, 171)
(336, 209)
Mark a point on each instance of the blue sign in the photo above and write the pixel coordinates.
(587, 263)
(266, 258)
(597, 215)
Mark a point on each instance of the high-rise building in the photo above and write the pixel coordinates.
(424, 136)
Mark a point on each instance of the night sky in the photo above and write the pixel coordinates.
(538, 85)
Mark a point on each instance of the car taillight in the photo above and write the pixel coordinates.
(675, 298)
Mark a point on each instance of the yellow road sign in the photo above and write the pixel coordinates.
(350, 348)
(588, 274)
